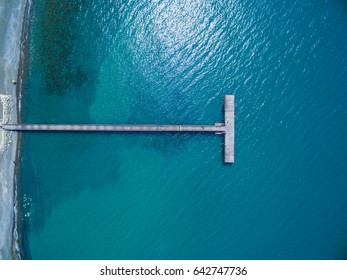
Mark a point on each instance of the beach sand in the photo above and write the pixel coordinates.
(11, 19)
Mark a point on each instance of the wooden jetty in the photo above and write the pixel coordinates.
(226, 128)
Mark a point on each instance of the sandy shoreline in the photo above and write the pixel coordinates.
(11, 22)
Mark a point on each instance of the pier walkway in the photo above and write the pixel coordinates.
(114, 128)
(226, 128)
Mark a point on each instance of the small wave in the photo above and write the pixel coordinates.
(15, 228)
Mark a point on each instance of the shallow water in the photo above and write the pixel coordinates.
(129, 196)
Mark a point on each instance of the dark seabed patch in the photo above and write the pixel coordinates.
(65, 58)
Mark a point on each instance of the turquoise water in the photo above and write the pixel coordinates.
(169, 196)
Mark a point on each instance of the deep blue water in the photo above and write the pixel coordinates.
(127, 196)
